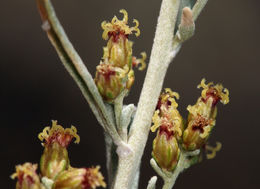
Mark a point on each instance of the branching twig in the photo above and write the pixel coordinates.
(76, 67)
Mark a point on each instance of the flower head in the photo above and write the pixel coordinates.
(80, 178)
(169, 123)
(55, 157)
(202, 115)
(27, 176)
(167, 114)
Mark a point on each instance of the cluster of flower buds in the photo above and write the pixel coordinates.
(173, 134)
(202, 115)
(115, 71)
(169, 123)
(55, 164)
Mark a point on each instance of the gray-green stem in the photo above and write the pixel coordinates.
(169, 178)
(75, 66)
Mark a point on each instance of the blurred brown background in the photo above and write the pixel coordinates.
(35, 88)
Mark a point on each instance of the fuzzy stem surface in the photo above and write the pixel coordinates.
(161, 56)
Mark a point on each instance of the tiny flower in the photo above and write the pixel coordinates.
(115, 72)
(82, 178)
(27, 177)
(55, 156)
(166, 113)
(202, 115)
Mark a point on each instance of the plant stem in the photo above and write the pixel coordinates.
(184, 162)
(161, 56)
(76, 68)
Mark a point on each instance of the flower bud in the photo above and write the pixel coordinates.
(202, 115)
(55, 156)
(110, 81)
(165, 149)
(27, 177)
(115, 73)
(83, 178)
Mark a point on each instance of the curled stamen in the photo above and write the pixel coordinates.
(58, 134)
(135, 28)
(117, 26)
(156, 121)
(167, 117)
(140, 61)
(213, 150)
(169, 96)
(125, 18)
(218, 92)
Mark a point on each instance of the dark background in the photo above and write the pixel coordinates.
(35, 88)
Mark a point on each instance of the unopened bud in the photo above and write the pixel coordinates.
(110, 81)
(55, 156)
(82, 178)
(166, 151)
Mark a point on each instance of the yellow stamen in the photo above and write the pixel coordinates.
(119, 25)
(156, 121)
(222, 92)
(141, 61)
(213, 150)
(47, 131)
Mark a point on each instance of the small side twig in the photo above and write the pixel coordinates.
(169, 178)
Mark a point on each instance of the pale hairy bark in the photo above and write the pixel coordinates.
(161, 56)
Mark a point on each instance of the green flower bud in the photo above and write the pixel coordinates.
(202, 115)
(110, 81)
(83, 178)
(27, 177)
(55, 156)
(166, 151)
